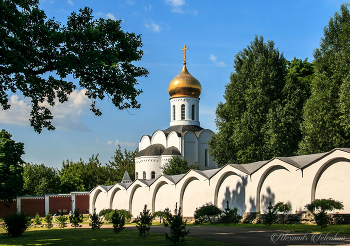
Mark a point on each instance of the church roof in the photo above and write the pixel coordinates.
(171, 151)
(182, 129)
(126, 178)
(174, 178)
(154, 149)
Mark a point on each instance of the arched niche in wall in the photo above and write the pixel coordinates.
(163, 197)
(189, 197)
(231, 187)
(131, 200)
(271, 192)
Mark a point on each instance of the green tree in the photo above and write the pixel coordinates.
(178, 166)
(262, 112)
(207, 212)
(122, 162)
(319, 208)
(144, 222)
(83, 176)
(96, 52)
(176, 225)
(326, 114)
(11, 170)
(40, 180)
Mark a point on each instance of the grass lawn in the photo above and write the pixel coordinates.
(40, 236)
(342, 229)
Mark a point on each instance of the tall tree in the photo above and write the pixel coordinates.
(254, 90)
(122, 162)
(81, 176)
(11, 170)
(326, 114)
(40, 180)
(96, 52)
(178, 166)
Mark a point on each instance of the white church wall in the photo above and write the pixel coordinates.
(158, 137)
(173, 140)
(148, 164)
(191, 151)
(188, 102)
(202, 146)
(144, 142)
(98, 200)
(118, 198)
(334, 183)
(163, 195)
(138, 197)
(194, 192)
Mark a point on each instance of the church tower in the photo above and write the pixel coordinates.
(184, 91)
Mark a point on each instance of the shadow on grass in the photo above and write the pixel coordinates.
(90, 237)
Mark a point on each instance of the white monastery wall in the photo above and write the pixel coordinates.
(275, 181)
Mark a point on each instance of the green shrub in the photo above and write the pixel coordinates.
(283, 208)
(103, 212)
(48, 221)
(319, 208)
(16, 223)
(76, 218)
(62, 221)
(96, 222)
(230, 215)
(144, 222)
(271, 215)
(159, 214)
(127, 215)
(177, 226)
(118, 221)
(207, 211)
(37, 220)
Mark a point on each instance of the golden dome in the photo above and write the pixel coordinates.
(184, 85)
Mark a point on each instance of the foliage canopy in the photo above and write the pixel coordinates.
(96, 52)
(178, 166)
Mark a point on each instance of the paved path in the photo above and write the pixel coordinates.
(255, 236)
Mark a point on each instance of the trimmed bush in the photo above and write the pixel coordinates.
(207, 211)
(76, 218)
(319, 208)
(16, 223)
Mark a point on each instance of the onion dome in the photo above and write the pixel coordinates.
(184, 85)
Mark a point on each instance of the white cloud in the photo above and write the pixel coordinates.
(110, 16)
(130, 2)
(177, 10)
(148, 8)
(66, 116)
(151, 25)
(175, 3)
(70, 2)
(117, 142)
(220, 64)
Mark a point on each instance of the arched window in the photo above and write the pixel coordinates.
(193, 111)
(173, 112)
(144, 175)
(153, 175)
(136, 175)
(206, 163)
(182, 111)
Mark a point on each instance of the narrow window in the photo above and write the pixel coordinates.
(182, 111)
(193, 111)
(173, 112)
(137, 175)
(144, 175)
(153, 175)
(206, 158)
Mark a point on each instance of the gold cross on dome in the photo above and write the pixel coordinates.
(184, 49)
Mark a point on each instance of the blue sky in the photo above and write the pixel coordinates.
(214, 31)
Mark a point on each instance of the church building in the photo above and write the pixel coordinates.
(185, 137)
